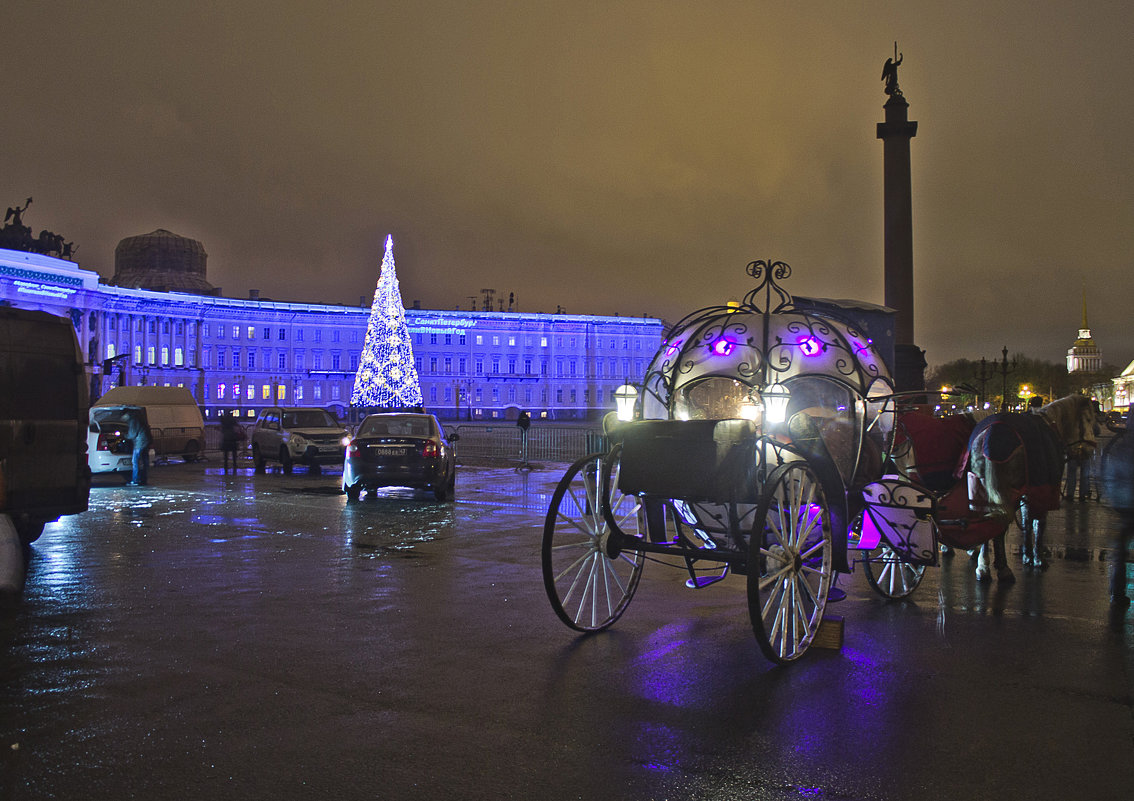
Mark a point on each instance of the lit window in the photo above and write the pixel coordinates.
(178, 357)
(165, 357)
(251, 332)
(110, 351)
(479, 339)
(251, 392)
(543, 342)
(299, 392)
(236, 332)
(511, 340)
(151, 355)
(236, 390)
(266, 392)
(281, 392)
(220, 391)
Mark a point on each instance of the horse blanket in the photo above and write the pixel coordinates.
(1031, 441)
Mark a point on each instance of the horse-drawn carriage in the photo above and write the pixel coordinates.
(761, 447)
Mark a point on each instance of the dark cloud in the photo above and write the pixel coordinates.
(607, 157)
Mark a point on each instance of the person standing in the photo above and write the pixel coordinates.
(231, 435)
(1118, 482)
(138, 433)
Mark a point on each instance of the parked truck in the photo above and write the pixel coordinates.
(43, 421)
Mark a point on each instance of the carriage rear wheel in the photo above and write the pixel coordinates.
(789, 562)
(588, 589)
(890, 575)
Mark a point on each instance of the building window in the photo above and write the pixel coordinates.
(220, 391)
(266, 392)
(236, 360)
(299, 335)
(267, 332)
(448, 365)
(251, 360)
(448, 339)
(543, 342)
(354, 361)
(433, 364)
(335, 358)
(512, 341)
(236, 332)
(299, 392)
(282, 335)
(251, 332)
(479, 341)
(496, 340)
(281, 393)
(151, 355)
(433, 341)
(335, 391)
(110, 351)
(461, 366)
(236, 390)
(318, 391)
(433, 394)
(281, 360)
(461, 339)
(178, 357)
(335, 335)
(480, 367)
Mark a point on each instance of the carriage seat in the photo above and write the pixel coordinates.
(695, 460)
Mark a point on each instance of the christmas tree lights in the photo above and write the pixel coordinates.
(386, 376)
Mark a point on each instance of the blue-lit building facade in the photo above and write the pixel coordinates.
(244, 354)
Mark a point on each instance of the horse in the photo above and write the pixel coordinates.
(1015, 461)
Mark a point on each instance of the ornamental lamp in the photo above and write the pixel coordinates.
(624, 399)
(776, 399)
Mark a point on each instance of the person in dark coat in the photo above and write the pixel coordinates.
(231, 434)
(1118, 483)
(138, 433)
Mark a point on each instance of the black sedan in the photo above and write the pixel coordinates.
(400, 450)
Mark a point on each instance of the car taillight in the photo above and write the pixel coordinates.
(353, 449)
(102, 444)
(430, 449)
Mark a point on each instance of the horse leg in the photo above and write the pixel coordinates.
(1004, 573)
(1026, 528)
(983, 572)
(1039, 526)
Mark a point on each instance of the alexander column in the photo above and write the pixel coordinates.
(896, 133)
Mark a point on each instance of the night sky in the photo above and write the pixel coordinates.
(606, 157)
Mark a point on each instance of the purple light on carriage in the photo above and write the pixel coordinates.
(809, 346)
(672, 349)
(721, 347)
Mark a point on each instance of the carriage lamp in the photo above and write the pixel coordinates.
(776, 399)
(624, 398)
(750, 409)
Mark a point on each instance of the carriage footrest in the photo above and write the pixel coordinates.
(697, 582)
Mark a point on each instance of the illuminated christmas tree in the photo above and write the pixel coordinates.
(386, 374)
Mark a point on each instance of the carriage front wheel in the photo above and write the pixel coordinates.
(588, 589)
(890, 575)
(789, 562)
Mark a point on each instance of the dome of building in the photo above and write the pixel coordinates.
(163, 261)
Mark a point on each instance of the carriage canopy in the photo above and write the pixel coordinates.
(742, 360)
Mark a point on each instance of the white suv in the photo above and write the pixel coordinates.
(309, 436)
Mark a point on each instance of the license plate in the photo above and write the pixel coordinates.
(388, 451)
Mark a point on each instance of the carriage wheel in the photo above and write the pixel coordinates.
(890, 575)
(588, 589)
(789, 562)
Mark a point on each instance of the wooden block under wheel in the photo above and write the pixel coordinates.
(830, 633)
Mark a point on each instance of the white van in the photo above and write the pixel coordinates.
(174, 417)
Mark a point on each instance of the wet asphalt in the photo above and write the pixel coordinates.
(242, 636)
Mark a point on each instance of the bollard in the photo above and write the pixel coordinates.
(11, 561)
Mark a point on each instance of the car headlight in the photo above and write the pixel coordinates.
(345, 440)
